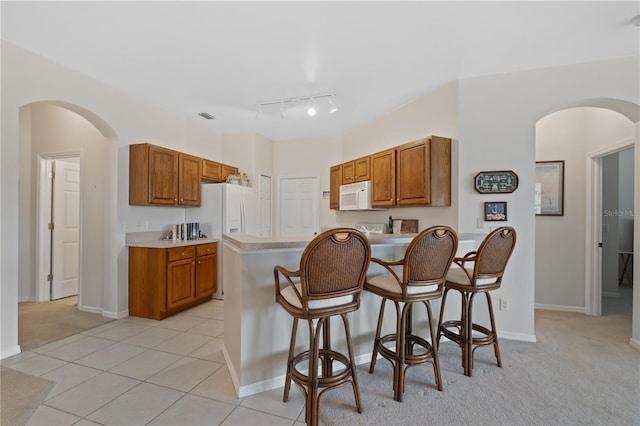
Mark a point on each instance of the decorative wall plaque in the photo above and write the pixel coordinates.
(499, 182)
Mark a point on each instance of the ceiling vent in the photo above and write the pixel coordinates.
(206, 115)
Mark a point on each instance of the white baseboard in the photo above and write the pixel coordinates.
(611, 294)
(26, 299)
(517, 336)
(576, 309)
(635, 343)
(10, 352)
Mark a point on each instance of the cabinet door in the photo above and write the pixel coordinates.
(189, 180)
(348, 172)
(413, 186)
(440, 151)
(211, 171)
(206, 274)
(383, 178)
(228, 170)
(363, 169)
(335, 180)
(180, 282)
(163, 176)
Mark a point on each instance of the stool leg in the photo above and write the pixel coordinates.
(496, 347)
(376, 341)
(327, 365)
(287, 380)
(467, 324)
(352, 364)
(441, 316)
(434, 347)
(398, 383)
(312, 375)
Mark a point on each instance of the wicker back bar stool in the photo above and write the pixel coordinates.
(479, 272)
(424, 268)
(328, 283)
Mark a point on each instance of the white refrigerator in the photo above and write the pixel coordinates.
(226, 209)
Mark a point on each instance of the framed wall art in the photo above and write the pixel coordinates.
(497, 182)
(495, 211)
(549, 188)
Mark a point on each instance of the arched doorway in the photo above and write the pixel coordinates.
(47, 128)
(568, 258)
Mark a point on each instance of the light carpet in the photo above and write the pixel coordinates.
(582, 371)
(45, 322)
(21, 394)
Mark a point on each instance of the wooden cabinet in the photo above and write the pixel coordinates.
(216, 172)
(165, 281)
(189, 173)
(181, 276)
(414, 174)
(211, 171)
(163, 177)
(228, 170)
(206, 269)
(335, 180)
(362, 169)
(356, 171)
(383, 178)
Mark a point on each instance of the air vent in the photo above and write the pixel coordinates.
(206, 115)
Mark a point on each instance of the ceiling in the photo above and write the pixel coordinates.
(225, 58)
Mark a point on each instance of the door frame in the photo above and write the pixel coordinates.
(43, 236)
(593, 253)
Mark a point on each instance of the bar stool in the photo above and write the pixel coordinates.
(424, 268)
(328, 283)
(626, 257)
(489, 263)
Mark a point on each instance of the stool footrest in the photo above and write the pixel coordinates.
(324, 381)
(487, 338)
(412, 343)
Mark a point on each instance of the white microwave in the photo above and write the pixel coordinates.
(356, 196)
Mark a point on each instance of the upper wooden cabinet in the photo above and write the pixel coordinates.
(163, 177)
(211, 171)
(216, 172)
(335, 180)
(356, 171)
(414, 174)
(228, 170)
(383, 178)
(189, 174)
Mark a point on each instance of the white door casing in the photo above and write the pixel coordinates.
(265, 205)
(66, 229)
(299, 206)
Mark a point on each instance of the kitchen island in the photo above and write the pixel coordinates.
(257, 330)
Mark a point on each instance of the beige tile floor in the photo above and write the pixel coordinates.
(136, 371)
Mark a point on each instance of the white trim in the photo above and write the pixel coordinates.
(635, 344)
(576, 309)
(10, 352)
(593, 231)
(521, 337)
(611, 294)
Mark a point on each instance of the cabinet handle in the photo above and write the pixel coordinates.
(182, 254)
(182, 200)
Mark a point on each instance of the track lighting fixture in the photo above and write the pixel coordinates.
(332, 107)
(311, 110)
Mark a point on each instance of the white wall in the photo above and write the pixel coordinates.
(56, 130)
(121, 118)
(498, 115)
(308, 157)
(433, 114)
(570, 135)
(625, 207)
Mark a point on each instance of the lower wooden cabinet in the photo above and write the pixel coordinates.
(165, 281)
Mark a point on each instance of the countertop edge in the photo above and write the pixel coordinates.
(170, 243)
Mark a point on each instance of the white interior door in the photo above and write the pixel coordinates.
(299, 206)
(65, 238)
(265, 206)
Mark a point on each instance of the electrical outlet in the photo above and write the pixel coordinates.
(504, 304)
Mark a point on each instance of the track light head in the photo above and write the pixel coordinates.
(332, 107)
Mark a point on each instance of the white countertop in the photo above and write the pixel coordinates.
(252, 242)
(170, 243)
